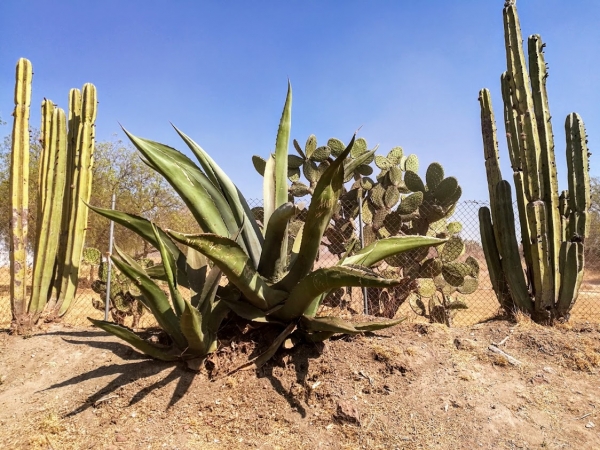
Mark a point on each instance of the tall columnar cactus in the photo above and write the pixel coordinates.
(19, 182)
(50, 203)
(82, 116)
(553, 227)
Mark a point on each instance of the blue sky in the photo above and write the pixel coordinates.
(408, 72)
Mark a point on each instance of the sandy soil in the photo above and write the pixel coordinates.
(414, 387)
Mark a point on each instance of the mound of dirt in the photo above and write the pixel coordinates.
(493, 385)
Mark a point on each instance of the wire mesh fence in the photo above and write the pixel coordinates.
(478, 300)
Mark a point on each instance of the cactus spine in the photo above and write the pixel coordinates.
(19, 182)
(82, 117)
(552, 244)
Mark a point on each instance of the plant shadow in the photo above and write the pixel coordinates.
(128, 373)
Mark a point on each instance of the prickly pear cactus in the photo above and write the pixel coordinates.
(397, 201)
(125, 298)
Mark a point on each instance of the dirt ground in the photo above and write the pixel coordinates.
(416, 386)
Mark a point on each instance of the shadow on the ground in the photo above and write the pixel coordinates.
(128, 372)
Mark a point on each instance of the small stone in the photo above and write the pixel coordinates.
(348, 412)
(590, 425)
(465, 344)
(121, 438)
(549, 370)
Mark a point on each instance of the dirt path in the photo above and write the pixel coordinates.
(418, 386)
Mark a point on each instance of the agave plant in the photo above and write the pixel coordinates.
(265, 281)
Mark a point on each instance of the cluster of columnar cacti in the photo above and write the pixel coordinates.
(553, 226)
(19, 184)
(397, 202)
(64, 181)
(126, 300)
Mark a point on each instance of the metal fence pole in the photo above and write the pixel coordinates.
(362, 245)
(109, 261)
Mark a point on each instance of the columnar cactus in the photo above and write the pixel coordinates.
(19, 182)
(50, 203)
(82, 116)
(553, 228)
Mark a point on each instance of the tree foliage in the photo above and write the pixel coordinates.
(117, 169)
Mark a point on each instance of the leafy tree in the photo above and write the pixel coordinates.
(117, 169)
(592, 247)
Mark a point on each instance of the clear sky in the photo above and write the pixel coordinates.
(408, 72)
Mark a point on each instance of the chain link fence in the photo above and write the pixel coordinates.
(478, 300)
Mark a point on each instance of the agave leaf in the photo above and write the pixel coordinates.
(191, 327)
(196, 269)
(171, 273)
(204, 200)
(239, 206)
(281, 151)
(209, 289)
(143, 228)
(379, 325)
(385, 248)
(235, 264)
(322, 280)
(133, 339)
(155, 299)
(268, 192)
(324, 200)
(249, 312)
(329, 324)
(274, 254)
(357, 162)
(260, 360)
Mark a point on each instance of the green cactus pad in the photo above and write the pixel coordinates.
(321, 154)
(378, 217)
(411, 203)
(259, 164)
(457, 304)
(377, 194)
(454, 273)
(382, 162)
(369, 235)
(364, 170)
(452, 201)
(454, 227)
(469, 286)
(393, 223)
(445, 189)
(91, 255)
(431, 268)
(395, 175)
(391, 197)
(295, 162)
(293, 174)
(453, 249)
(336, 146)
(434, 175)
(417, 304)
(439, 281)
(425, 287)
(311, 171)
(413, 181)
(367, 183)
(298, 189)
(439, 226)
(411, 163)
(474, 265)
(359, 147)
(311, 145)
(411, 269)
(367, 213)
(395, 155)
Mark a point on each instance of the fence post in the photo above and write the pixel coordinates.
(109, 261)
(362, 245)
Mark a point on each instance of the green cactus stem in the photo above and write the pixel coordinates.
(553, 227)
(19, 182)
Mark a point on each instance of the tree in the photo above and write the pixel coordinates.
(592, 247)
(117, 169)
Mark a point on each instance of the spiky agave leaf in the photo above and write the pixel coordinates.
(323, 280)
(130, 337)
(273, 258)
(171, 273)
(235, 264)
